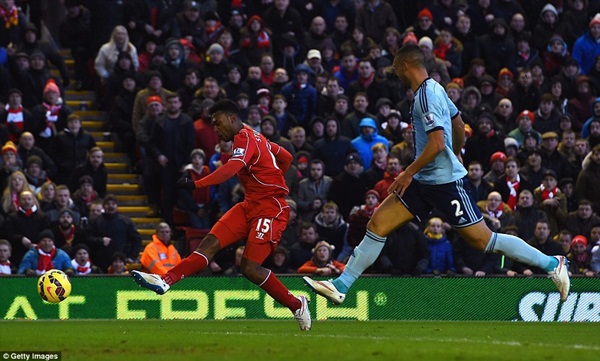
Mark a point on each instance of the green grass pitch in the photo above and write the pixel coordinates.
(282, 340)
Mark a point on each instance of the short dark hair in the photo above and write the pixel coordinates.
(226, 106)
(411, 54)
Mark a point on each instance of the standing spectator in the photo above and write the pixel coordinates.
(580, 105)
(551, 200)
(61, 201)
(74, 33)
(332, 228)
(22, 227)
(5, 254)
(313, 191)
(485, 142)
(301, 251)
(111, 232)
(301, 96)
(45, 257)
(480, 188)
(392, 170)
(120, 113)
(12, 26)
(527, 214)
(349, 187)
(588, 179)
(367, 140)
(85, 195)
(586, 47)
(255, 40)
(333, 148)
(93, 167)
(50, 116)
(174, 69)
(405, 150)
(582, 220)
(10, 163)
(35, 174)
(469, 41)
(360, 216)
(367, 84)
(28, 148)
(144, 18)
(160, 255)
(348, 70)
(66, 233)
(283, 20)
(375, 17)
(497, 46)
(351, 123)
(109, 52)
(196, 203)
(189, 25)
(140, 105)
(441, 258)
(171, 142)
(71, 148)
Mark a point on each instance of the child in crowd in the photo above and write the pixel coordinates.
(441, 259)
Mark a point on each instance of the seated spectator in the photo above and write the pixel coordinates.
(279, 261)
(111, 232)
(160, 255)
(85, 195)
(480, 188)
(61, 201)
(117, 264)
(5, 254)
(67, 234)
(71, 147)
(93, 167)
(10, 162)
(405, 252)
(196, 203)
(349, 187)
(360, 216)
(35, 174)
(44, 257)
(582, 220)
(392, 170)
(81, 261)
(47, 194)
(109, 52)
(27, 148)
(236, 269)
(16, 184)
(579, 257)
(50, 117)
(496, 214)
(15, 116)
(441, 259)
(332, 228)
(301, 251)
(322, 262)
(551, 200)
(313, 191)
(544, 243)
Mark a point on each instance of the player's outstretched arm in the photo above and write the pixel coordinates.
(221, 174)
(282, 156)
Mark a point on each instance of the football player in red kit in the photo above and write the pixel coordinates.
(260, 218)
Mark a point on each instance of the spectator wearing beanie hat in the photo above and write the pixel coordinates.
(81, 261)
(580, 260)
(505, 82)
(140, 104)
(348, 188)
(10, 162)
(360, 215)
(423, 25)
(35, 173)
(587, 47)
(524, 126)
(322, 262)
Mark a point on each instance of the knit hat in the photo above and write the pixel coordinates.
(38, 54)
(511, 142)
(215, 48)
(498, 156)
(13, 91)
(425, 13)
(410, 38)
(595, 19)
(86, 179)
(382, 101)
(579, 239)
(505, 71)
(9, 147)
(65, 210)
(153, 99)
(549, 173)
(263, 92)
(374, 193)
(34, 159)
(79, 246)
(46, 233)
(51, 87)
(549, 135)
(527, 113)
(293, 205)
(453, 85)
(353, 157)
(211, 15)
(427, 42)
(549, 7)
(323, 244)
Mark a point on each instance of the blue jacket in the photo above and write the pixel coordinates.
(585, 129)
(440, 255)
(60, 261)
(585, 51)
(302, 102)
(363, 143)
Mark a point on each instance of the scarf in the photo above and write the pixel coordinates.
(68, 234)
(51, 117)
(82, 270)
(440, 51)
(548, 193)
(581, 258)
(15, 116)
(29, 211)
(366, 82)
(89, 199)
(10, 16)
(514, 188)
(5, 268)
(434, 235)
(496, 213)
(45, 260)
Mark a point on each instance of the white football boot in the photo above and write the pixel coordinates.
(302, 315)
(560, 277)
(325, 289)
(150, 281)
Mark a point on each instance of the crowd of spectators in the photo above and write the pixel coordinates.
(316, 77)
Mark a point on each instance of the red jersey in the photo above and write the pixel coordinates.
(261, 177)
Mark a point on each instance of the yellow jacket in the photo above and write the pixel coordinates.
(159, 258)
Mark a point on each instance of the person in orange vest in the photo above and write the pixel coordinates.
(160, 255)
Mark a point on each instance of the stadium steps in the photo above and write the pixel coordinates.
(121, 181)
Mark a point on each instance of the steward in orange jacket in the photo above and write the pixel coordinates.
(160, 255)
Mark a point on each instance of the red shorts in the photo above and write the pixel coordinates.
(260, 223)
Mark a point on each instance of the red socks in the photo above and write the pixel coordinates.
(280, 293)
(193, 263)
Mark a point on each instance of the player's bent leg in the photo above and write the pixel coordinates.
(390, 215)
(195, 262)
(519, 250)
(267, 280)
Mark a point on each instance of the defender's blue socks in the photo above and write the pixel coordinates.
(519, 250)
(362, 257)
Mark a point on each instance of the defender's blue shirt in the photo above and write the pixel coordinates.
(432, 110)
